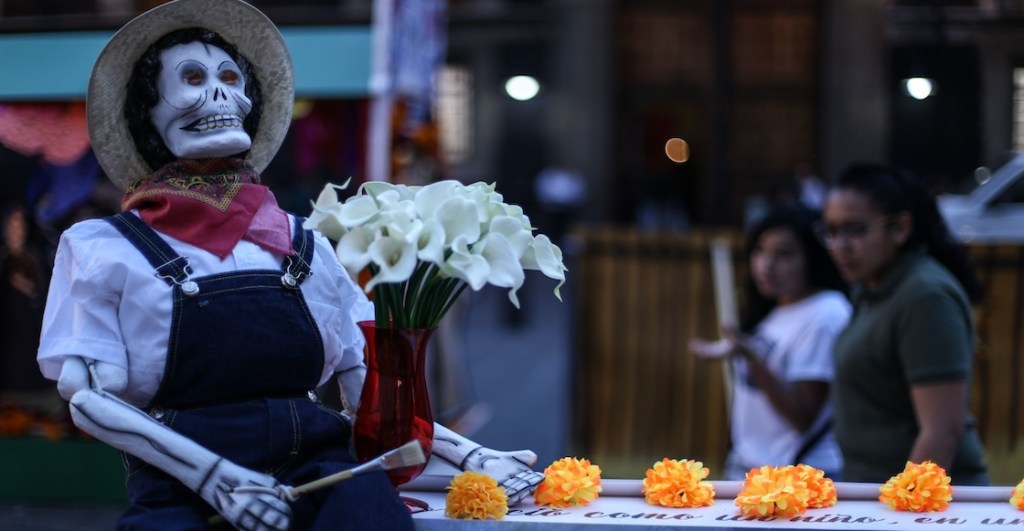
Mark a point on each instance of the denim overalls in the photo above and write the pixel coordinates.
(243, 358)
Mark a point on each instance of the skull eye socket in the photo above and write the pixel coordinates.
(193, 76)
(229, 77)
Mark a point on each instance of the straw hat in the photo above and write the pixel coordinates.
(241, 24)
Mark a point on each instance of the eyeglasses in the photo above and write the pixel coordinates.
(831, 235)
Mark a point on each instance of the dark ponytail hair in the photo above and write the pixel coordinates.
(821, 272)
(892, 191)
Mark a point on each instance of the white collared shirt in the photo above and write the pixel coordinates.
(796, 342)
(105, 304)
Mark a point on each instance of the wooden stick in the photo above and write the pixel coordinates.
(725, 302)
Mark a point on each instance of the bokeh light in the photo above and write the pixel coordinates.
(918, 88)
(522, 88)
(677, 150)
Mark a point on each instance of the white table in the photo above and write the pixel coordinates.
(622, 507)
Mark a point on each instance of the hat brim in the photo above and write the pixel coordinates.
(255, 36)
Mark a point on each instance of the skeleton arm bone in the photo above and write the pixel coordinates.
(247, 499)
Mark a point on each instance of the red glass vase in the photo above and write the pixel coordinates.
(394, 406)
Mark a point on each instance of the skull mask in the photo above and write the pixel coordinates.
(202, 102)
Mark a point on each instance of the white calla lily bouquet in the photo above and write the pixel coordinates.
(424, 244)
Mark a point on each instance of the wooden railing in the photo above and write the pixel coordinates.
(641, 396)
(998, 392)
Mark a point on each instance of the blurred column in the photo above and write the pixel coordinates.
(854, 98)
(583, 102)
(1000, 48)
(720, 184)
(408, 50)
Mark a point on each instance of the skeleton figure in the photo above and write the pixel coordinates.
(166, 321)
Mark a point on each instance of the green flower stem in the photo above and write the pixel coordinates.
(451, 300)
(390, 291)
(416, 292)
(419, 302)
(426, 310)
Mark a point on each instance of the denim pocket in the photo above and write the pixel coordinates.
(345, 420)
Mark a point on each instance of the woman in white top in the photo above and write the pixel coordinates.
(782, 354)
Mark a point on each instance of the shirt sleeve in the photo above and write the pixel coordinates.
(935, 338)
(340, 305)
(359, 309)
(80, 318)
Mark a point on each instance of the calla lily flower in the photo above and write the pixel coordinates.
(466, 265)
(376, 188)
(429, 198)
(353, 249)
(398, 224)
(503, 264)
(425, 244)
(358, 211)
(430, 242)
(546, 257)
(326, 214)
(395, 259)
(458, 217)
(518, 237)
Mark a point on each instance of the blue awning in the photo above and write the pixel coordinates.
(329, 61)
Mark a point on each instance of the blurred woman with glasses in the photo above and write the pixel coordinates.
(903, 364)
(782, 354)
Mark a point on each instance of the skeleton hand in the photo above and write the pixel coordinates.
(512, 470)
(248, 500)
(75, 376)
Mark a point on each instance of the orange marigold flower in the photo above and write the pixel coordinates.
(1018, 496)
(823, 490)
(472, 495)
(569, 482)
(919, 488)
(672, 483)
(773, 491)
(14, 421)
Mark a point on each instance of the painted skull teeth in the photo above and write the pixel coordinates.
(217, 121)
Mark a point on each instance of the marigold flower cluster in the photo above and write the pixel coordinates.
(919, 488)
(823, 489)
(672, 483)
(776, 491)
(475, 496)
(1017, 499)
(569, 482)
(19, 421)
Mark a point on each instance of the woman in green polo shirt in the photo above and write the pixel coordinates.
(903, 364)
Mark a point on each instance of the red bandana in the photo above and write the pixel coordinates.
(212, 204)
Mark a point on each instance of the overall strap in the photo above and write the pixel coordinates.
(169, 265)
(297, 265)
(812, 441)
